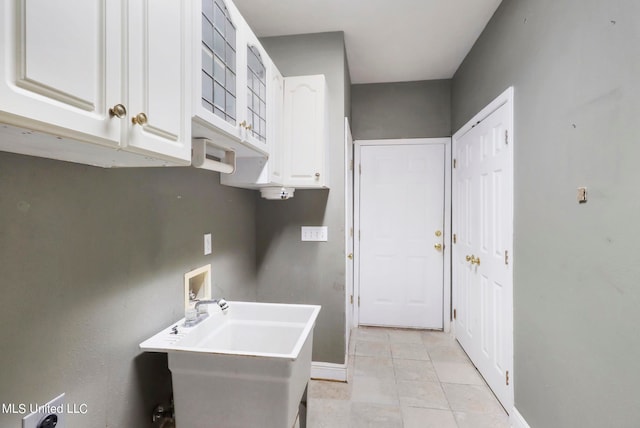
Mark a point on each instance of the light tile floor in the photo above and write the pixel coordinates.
(405, 379)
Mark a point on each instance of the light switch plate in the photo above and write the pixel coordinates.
(55, 406)
(315, 233)
(207, 244)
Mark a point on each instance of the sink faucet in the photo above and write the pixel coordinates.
(194, 317)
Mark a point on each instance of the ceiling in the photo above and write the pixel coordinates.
(386, 40)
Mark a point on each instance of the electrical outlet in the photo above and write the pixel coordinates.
(47, 415)
(319, 233)
(207, 244)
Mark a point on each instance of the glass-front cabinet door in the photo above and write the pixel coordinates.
(256, 96)
(254, 104)
(218, 61)
(218, 50)
(231, 90)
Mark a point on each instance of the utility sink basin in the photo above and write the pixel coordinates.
(246, 367)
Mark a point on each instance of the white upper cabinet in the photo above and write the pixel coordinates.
(298, 136)
(230, 84)
(159, 78)
(61, 66)
(255, 172)
(305, 132)
(67, 69)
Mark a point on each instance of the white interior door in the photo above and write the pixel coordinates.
(401, 218)
(482, 268)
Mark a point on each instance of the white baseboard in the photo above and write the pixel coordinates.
(517, 421)
(329, 371)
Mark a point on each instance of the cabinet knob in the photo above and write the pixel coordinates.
(249, 127)
(243, 124)
(317, 175)
(140, 119)
(118, 111)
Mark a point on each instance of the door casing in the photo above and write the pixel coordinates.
(447, 312)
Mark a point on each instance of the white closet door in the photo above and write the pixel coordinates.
(483, 223)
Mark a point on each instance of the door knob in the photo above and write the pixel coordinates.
(243, 124)
(438, 246)
(468, 258)
(475, 260)
(350, 256)
(118, 111)
(140, 119)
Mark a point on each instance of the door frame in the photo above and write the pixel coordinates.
(348, 233)
(446, 233)
(505, 98)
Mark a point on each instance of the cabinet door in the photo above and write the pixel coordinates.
(305, 131)
(253, 83)
(215, 58)
(60, 68)
(158, 83)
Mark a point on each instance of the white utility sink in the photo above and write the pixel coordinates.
(246, 367)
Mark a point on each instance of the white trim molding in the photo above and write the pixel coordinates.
(516, 420)
(328, 371)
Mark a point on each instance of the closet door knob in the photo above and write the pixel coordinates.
(140, 119)
(118, 111)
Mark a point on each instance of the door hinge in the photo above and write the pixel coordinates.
(506, 257)
(358, 301)
(359, 235)
(360, 168)
(455, 163)
(351, 299)
(506, 136)
(455, 238)
(351, 165)
(455, 314)
(351, 232)
(507, 377)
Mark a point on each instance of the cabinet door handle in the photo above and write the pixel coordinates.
(140, 119)
(118, 111)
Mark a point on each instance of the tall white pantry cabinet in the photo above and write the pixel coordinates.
(121, 86)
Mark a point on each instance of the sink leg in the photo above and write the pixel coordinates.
(302, 409)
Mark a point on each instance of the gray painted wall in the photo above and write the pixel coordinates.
(401, 110)
(310, 272)
(92, 263)
(575, 66)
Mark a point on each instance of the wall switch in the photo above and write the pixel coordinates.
(315, 233)
(582, 195)
(207, 244)
(45, 415)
